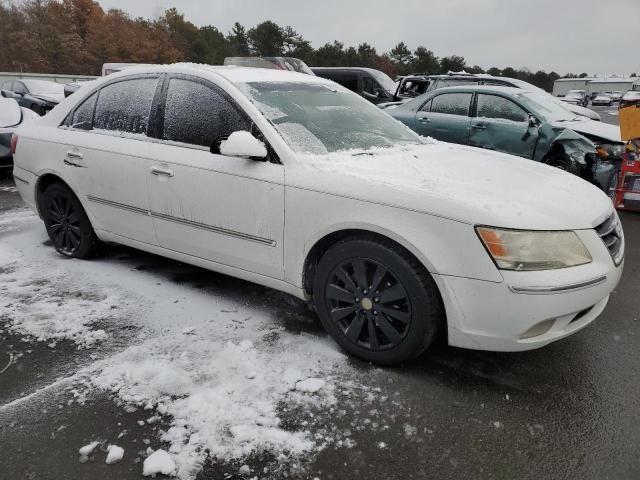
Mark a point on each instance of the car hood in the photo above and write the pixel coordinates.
(461, 183)
(582, 111)
(592, 128)
(49, 97)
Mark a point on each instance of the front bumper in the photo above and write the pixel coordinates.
(529, 309)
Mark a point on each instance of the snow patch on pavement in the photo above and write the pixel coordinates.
(48, 306)
(159, 462)
(219, 369)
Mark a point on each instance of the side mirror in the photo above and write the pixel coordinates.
(380, 93)
(244, 145)
(533, 121)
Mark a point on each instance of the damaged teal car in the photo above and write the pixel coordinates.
(518, 122)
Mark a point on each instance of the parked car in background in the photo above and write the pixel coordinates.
(577, 97)
(374, 85)
(73, 87)
(12, 116)
(616, 96)
(280, 63)
(322, 195)
(602, 99)
(518, 122)
(632, 97)
(37, 95)
(417, 84)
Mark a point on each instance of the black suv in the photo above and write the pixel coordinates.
(372, 84)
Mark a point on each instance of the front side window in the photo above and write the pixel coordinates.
(452, 104)
(494, 107)
(370, 86)
(198, 114)
(125, 106)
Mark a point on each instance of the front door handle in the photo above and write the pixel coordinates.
(162, 171)
(424, 119)
(480, 126)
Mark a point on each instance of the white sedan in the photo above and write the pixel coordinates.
(293, 182)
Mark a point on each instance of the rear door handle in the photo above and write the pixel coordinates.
(480, 126)
(74, 159)
(162, 171)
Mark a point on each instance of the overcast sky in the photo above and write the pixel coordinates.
(562, 35)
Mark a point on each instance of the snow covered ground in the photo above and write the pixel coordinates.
(219, 371)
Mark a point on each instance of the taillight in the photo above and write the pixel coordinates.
(14, 143)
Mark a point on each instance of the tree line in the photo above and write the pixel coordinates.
(78, 36)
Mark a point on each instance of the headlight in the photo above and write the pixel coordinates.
(524, 250)
(610, 150)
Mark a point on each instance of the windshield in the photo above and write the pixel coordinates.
(42, 86)
(543, 109)
(295, 65)
(384, 80)
(321, 118)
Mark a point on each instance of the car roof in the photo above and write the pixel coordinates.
(232, 73)
(482, 88)
(348, 69)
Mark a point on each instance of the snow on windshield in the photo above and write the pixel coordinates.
(321, 118)
(542, 107)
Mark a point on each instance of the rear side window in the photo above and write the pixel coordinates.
(125, 106)
(452, 104)
(492, 106)
(82, 117)
(200, 114)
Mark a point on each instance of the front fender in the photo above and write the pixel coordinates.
(574, 145)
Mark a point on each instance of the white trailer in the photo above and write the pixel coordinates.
(562, 86)
(613, 84)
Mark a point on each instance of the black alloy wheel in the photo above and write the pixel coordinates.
(376, 300)
(67, 223)
(368, 304)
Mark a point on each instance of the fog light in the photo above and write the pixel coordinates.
(538, 329)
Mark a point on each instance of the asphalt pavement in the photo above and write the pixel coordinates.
(570, 410)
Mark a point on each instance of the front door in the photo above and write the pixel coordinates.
(223, 209)
(445, 117)
(501, 124)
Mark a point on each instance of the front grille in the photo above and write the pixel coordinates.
(610, 231)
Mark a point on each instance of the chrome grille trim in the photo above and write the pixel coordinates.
(610, 232)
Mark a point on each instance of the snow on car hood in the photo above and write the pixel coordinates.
(49, 97)
(582, 111)
(462, 183)
(591, 127)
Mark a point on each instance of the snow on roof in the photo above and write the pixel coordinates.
(485, 88)
(233, 73)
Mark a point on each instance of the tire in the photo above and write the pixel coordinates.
(67, 223)
(563, 162)
(392, 319)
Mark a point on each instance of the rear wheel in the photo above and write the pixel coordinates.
(67, 223)
(376, 301)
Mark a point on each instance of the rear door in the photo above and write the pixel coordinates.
(445, 117)
(503, 125)
(106, 151)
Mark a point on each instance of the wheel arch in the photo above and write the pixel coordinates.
(45, 180)
(327, 239)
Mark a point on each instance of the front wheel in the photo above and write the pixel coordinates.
(376, 301)
(67, 223)
(563, 162)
